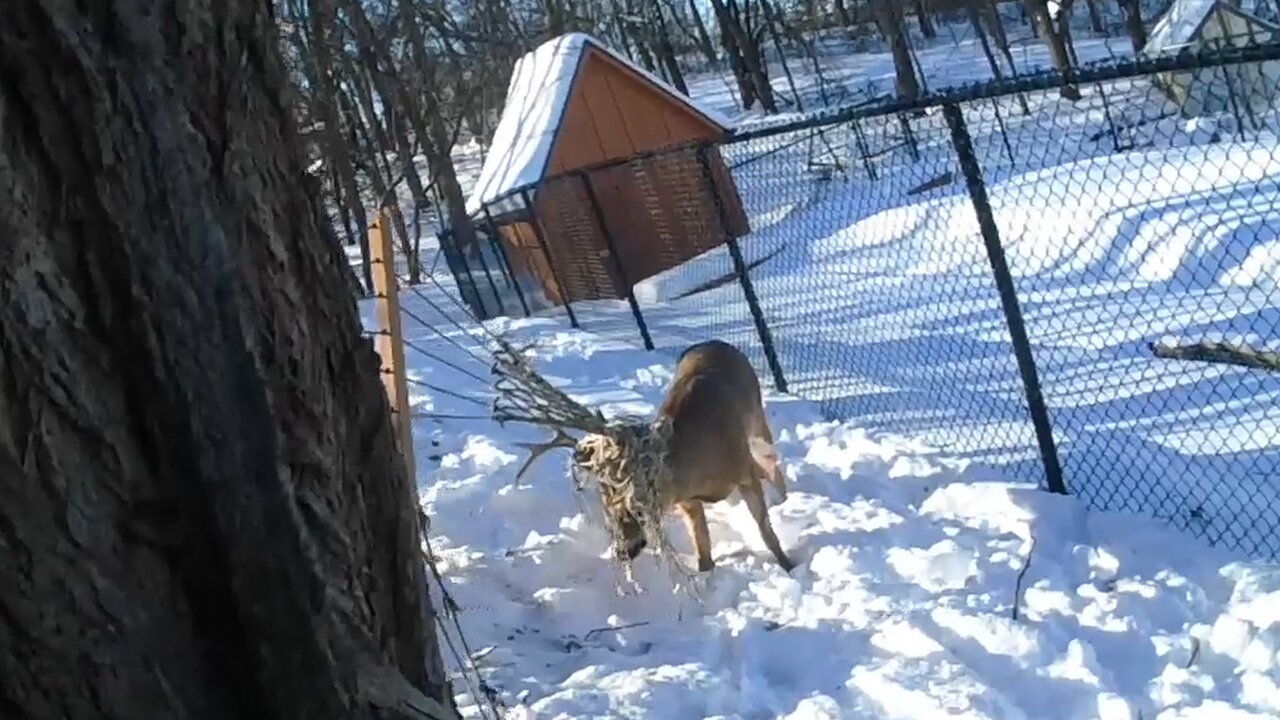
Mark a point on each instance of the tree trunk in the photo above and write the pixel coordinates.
(1133, 24)
(1064, 31)
(433, 135)
(740, 42)
(1095, 18)
(995, 25)
(842, 12)
(202, 510)
(391, 95)
(772, 23)
(975, 19)
(323, 15)
(889, 19)
(1039, 11)
(922, 17)
(734, 52)
(705, 46)
(667, 52)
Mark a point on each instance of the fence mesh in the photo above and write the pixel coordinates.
(1125, 222)
(1136, 210)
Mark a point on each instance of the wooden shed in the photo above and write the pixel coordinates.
(1205, 25)
(573, 104)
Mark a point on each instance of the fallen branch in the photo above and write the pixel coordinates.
(1022, 574)
(1219, 353)
(614, 628)
(1195, 653)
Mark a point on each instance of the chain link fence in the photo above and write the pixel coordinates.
(1072, 279)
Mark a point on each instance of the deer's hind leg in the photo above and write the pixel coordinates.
(765, 454)
(753, 494)
(695, 519)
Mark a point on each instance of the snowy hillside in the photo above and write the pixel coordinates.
(927, 588)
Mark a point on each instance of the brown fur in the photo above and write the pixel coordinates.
(715, 408)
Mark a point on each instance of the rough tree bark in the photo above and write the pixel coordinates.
(202, 512)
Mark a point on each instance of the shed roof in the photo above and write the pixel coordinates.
(1179, 25)
(537, 97)
(1182, 23)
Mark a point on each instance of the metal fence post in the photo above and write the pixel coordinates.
(484, 265)
(909, 137)
(496, 237)
(536, 225)
(460, 257)
(864, 150)
(1008, 296)
(744, 274)
(618, 267)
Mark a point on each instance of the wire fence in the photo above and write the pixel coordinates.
(1069, 278)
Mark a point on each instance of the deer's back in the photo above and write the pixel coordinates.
(713, 403)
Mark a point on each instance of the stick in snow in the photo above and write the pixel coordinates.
(1220, 353)
(1022, 574)
(618, 628)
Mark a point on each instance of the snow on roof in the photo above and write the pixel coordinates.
(1178, 27)
(536, 100)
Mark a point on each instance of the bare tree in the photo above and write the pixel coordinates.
(705, 46)
(888, 14)
(1133, 23)
(971, 8)
(202, 510)
(1058, 52)
(322, 16)
(922, 17)
(745, 56)
(1095, 17)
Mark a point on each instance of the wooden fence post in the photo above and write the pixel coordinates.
(386, 290)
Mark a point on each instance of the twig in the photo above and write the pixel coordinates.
(1022, 574)
(1220, 353)
(614, 628)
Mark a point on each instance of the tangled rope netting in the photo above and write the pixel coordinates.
(627, 458)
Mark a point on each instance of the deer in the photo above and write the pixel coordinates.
(717, 440)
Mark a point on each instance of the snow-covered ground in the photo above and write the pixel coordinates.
(927, 586)
(880, 299)
(914, 514)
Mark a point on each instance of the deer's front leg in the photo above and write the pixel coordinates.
(695, 519)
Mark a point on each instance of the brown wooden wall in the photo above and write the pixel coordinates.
(661, 211)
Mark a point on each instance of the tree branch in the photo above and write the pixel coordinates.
(1220, 353)
(1022, 575)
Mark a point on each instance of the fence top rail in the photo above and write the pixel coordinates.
(1101, 71)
